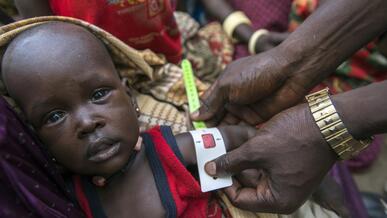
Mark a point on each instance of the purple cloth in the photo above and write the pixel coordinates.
(268, 14)
(367, 157)
(30, 185)
(352, 196)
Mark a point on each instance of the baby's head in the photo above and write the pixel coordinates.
(65, 82)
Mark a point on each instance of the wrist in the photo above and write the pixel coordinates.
(306, 64)
(317, 138)
(243, 33)
(346, 109)
(332, 127)
(363, 110)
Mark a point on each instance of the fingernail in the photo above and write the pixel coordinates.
(210, 168)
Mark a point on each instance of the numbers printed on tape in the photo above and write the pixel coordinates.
(191, 91)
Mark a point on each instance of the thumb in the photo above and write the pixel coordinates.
(213, 102)
(231, 163)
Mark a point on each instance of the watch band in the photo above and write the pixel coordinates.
(331, 126)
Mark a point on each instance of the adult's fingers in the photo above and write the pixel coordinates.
(250, 177)
(286, 97)
(260, 198)
(231, 163)
(229, 119)
(245, 113)
(213, 101)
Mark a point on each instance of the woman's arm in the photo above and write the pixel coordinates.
(33, 8)
(363, 110)
(220, 9)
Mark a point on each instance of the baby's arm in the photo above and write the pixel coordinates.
(233, 136)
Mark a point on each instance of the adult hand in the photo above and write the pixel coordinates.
(264, 84)
(293, 156)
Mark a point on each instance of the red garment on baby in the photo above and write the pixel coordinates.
(189, 200)
(179, 191)
(141, 24)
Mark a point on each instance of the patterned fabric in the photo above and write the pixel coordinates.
(268, 14)
(208, 48)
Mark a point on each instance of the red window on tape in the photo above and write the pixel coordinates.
(208, 141)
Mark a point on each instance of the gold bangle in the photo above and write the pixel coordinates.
(233, 20)
(332, 128)
(254, 39)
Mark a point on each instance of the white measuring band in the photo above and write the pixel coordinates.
(209, 144)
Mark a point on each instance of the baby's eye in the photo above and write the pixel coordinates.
(54, 117)
(100, 94)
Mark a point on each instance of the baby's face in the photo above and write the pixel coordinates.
(85, 118)
(77, 105)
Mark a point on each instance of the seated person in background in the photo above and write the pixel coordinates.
(242, 19)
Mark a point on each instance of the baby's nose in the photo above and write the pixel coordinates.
(88, 123)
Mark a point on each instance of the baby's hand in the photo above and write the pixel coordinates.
(234, 136)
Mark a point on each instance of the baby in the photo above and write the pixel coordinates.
(66, 84)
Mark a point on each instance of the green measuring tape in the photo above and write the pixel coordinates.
(191, 91)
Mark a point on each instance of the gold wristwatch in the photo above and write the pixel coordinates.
(331, 126)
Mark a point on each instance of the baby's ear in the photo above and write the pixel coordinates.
(132, 96)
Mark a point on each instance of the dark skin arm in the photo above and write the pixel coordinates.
(220, 9)
(33, 8)
(293, 154)
(278, 79)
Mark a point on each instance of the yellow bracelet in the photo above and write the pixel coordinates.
(254, 39)
(233, 20)
(332, 128)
